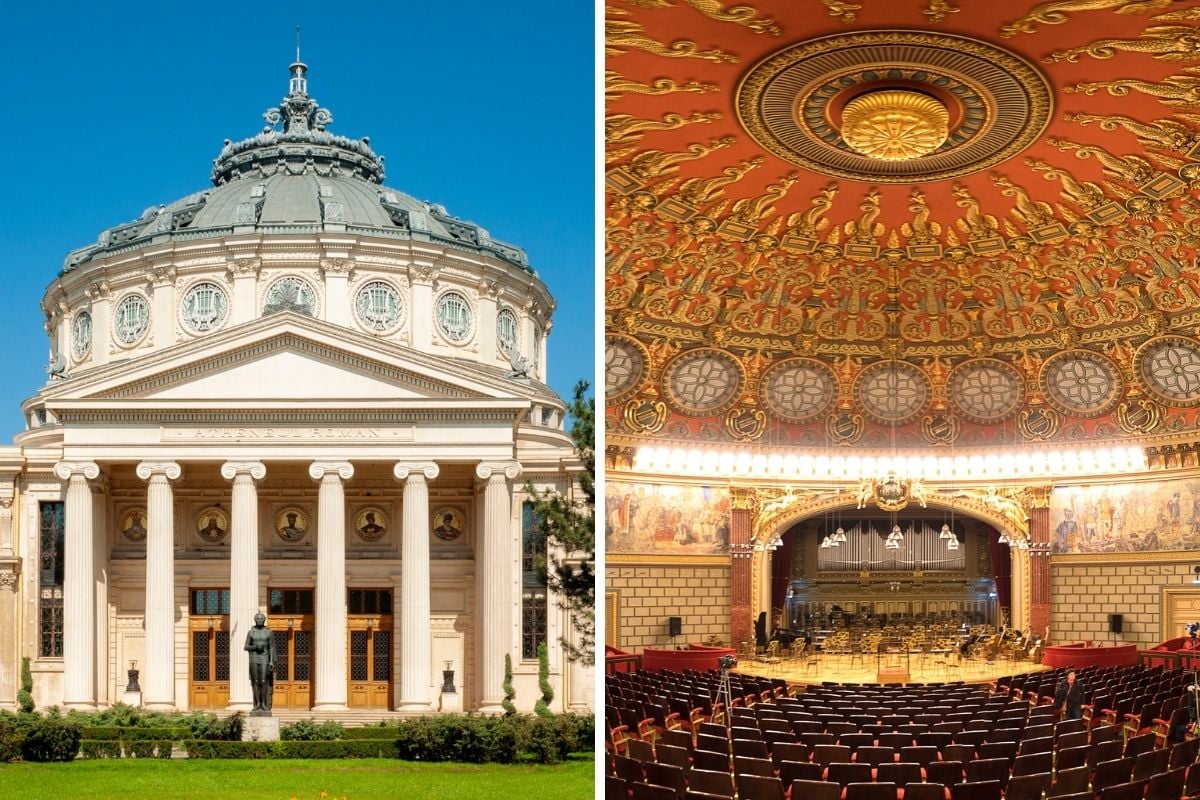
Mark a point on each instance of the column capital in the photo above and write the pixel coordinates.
(148, 469)
(404, 470)
(231, 469)
(510, 469)
(63, 470)
(342, 469)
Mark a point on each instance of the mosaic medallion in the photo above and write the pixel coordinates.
(624, 368)
(892, 392)
(371, 524)
(798, 389)
(792, 104)
(447, 524)
(703, 382)
(986, 390)
(133, 525)
(1080, 383)
(212, 524)
(1169, 369)
(291, 525)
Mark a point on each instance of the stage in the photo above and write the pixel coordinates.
(935, 667)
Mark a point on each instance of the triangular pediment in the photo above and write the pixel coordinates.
(282, 358)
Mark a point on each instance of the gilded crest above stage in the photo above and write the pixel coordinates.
(921, 222)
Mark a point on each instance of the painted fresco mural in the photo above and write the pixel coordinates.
(1123, 518)
(665, 519)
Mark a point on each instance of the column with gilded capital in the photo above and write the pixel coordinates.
(1038, 506)
(79, 595)
(741, 526)
(416, 672)
(243, 574)
(330, 690)
(495, 580)
(158, 685)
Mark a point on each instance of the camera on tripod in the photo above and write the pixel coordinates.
(727, 662)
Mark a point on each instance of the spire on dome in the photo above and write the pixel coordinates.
(298, 85)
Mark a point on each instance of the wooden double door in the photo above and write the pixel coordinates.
(369, 661)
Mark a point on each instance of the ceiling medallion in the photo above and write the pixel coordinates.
(703, 382)
(895, 124)
(803, 103)
(892, 392)
(1168, 368)
(1080, 383)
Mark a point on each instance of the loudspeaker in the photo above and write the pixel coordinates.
(675, 626)
(1114, 623)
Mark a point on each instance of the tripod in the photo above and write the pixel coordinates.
(725, 696)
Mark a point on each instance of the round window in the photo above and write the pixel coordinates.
(379, 306)
(454, 317)
(204, 307)
(81, 334)
(132, 318)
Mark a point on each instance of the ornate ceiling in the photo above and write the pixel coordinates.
(923, 223)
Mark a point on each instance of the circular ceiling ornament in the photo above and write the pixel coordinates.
(1168, 368)
(1080, 383)
(798, 389)
(895, 124)
(892, 392)
(794, 102)
(986, 390)
(625, 368)
(703, 382)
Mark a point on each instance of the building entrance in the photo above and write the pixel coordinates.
(208, 642)
(292, 628)
(369, 648)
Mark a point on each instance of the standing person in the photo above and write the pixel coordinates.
(1069, 694)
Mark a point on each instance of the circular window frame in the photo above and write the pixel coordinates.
(269, 285)
(183, 298)
(116, 333)
(402, 302)
(437, 322)
(76, 354)
(516, 345)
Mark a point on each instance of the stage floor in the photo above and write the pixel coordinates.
(885, 669)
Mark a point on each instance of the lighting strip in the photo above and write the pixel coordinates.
(1018, 465)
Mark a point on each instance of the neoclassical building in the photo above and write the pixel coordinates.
(902, 316)
(301, 392)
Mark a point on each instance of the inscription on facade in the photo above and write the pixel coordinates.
(402, 433)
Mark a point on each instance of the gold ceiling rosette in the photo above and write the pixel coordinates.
(895, 124)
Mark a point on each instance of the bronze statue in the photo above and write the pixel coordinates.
(261, 646)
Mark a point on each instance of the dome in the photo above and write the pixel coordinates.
(296, 177)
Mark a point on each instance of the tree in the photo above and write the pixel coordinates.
(507, 686)
(568, 523)
(25, 695)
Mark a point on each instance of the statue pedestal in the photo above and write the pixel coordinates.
(451, 702)
(133, 698)
(260, 729)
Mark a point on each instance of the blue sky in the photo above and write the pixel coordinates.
(109, 108)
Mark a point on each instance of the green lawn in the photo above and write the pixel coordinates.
(354, 779)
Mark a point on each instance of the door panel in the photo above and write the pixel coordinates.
(209, 674)
(293, 665)
(369, 658)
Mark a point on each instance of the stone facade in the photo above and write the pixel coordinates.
(647, 594)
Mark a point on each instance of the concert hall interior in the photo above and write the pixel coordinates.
(902, 360)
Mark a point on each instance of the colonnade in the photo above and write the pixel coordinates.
(495, 581)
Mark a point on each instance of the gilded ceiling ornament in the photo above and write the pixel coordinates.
(941, 428)
(936, 10)
(807, 224)
(657, 163)
(644, 415)
(746, 424)
(866, 230)
(621, 36)
(698, 191)
(1139, 416)
(1039, 423)
(738, 15)
(920, 231)
(839, 9)
(1167, 133)
(1132, 169)
(1056, 12)
(895, 124)
(977, 225)
(1031, 213)
(845, 427)
(625, 128)
(1085, 194)
(752, 210)
(617, 85)
(890, 493)
(1175, 90)
(1165, 42)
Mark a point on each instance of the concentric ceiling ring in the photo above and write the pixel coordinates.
(798, 389)
(777, 97)
(1080, 383)
(626, 365)
(1168, 368)
(703, 382)
(892, 392)
(986, 390)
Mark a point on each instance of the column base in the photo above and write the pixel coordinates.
(153, 706)
(75, 705)
(243, 707)
(494, 709)
(415, 707)
(329, 708)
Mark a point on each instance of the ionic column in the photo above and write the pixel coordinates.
(495, 579)
(79, 594)
(10, 571)
(330, 691)
(243, 574)
(416, 671)
(158, 685)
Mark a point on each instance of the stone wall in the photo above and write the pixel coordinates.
(1084, 594)
(647, 594)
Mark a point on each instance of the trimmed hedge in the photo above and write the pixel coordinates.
(138, 748)
(51, 738)
(127, 733)
(363, 748)
(388, 732)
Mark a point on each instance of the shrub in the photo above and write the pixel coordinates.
(389, 733)
(539, 738)
(507, 686)
(365, 748)
(51, 738)
(307, 730)
(148, 748)
(222, 729)
(457, 738)
(100, 748)
(542, 706)
(135, 733)
(25, 695)
(11, 736)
